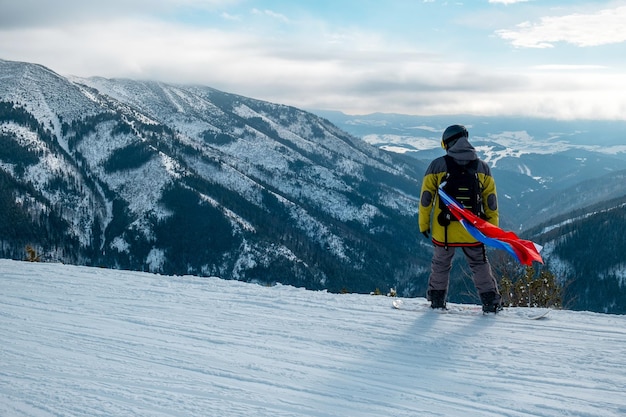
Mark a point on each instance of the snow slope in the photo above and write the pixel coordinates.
(80, 341)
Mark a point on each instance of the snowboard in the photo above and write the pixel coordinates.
(533, 313)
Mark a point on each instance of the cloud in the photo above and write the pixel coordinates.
(584, 30)
(271, 14)
(300, 59)
(351, 71)
(30, 13)
(567, 67)
(507, 2)
(228, 16)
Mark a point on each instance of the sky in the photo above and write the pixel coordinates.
(563, 59)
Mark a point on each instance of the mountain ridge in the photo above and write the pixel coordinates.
(178, 179)
(560, 176)
(193, 180)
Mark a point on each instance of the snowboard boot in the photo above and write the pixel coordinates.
(437, 299)
(492, 302)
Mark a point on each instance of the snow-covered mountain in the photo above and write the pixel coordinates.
(509, 136)
(188, 179)
(87, 342)
(561, 183)
(585, 248)
(540, 165)
(191, 180)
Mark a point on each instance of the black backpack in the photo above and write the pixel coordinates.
(462, 184)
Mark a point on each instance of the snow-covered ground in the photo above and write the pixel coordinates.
(77, 341)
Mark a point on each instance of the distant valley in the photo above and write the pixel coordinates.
(561, 184)
(536, 162)
(177, 179)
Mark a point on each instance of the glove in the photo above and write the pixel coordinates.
(426, 233)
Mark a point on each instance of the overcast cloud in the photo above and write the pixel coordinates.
(563, 59)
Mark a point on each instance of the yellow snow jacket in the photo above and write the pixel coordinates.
(429, 208)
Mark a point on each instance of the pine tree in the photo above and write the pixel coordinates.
(529, 289)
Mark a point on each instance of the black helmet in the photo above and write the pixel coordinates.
(452, 134)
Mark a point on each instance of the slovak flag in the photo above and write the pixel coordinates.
(524, 251)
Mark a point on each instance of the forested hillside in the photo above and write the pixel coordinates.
(586, 250)
(191, 180)
(180, 179)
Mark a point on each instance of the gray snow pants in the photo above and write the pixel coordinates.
(476, 258)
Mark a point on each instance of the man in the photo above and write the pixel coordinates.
(447, 233)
